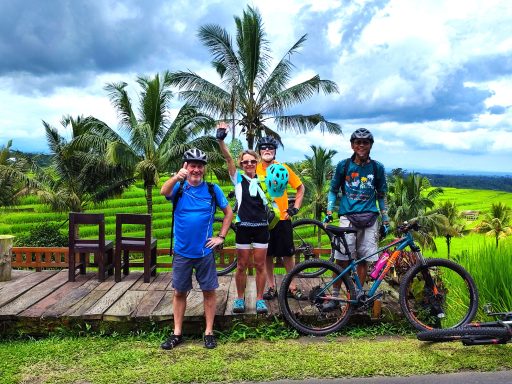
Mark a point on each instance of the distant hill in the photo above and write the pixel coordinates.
(495, 183)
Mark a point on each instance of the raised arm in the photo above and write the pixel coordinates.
(225, 151)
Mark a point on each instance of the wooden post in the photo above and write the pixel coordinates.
(5, 256)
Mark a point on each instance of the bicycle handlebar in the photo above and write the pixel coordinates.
(406, 227)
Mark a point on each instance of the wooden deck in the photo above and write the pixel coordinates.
(38, 302)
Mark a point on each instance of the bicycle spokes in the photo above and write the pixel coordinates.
(439, 295)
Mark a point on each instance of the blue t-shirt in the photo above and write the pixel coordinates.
(360, 187)
(193, 219)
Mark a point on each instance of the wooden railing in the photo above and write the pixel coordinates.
(39, 258)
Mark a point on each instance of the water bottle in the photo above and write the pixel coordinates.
(379, 264)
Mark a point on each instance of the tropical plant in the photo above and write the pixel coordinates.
(454, 226)
(155, 143)
(497, 222)
(14, 179)
(252, 95)
(411, 197)
(316, 169)
(77, 178)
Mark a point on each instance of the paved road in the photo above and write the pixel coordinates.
(501, 377)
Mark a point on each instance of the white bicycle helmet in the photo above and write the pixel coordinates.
(195, 154)
(361, 133)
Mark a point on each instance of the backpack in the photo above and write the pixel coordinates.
(345, 171)
(177, 197)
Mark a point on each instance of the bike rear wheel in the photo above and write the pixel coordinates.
(311, 241)
(308, 315)
(438, 294)
(225, 255)
(489, 335)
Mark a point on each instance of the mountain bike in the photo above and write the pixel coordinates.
(433, 293)
(490, 332)
(310, 238)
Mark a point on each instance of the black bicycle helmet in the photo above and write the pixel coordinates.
(267, 140)
(195, 154)
(361, 133)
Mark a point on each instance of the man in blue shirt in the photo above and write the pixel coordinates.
(363, 185)
(193, 241)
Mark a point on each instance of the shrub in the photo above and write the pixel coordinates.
(43, 235)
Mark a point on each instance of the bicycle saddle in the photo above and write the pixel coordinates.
(338, 231)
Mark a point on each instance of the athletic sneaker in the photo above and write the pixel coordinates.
(239, 306)
(172, 342)
(297, 294)
(330, 306)
(261, 307)
(270, 294)
(209, 341)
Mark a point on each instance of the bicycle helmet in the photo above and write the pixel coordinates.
(361, 133)
(195, 154)
(276, 180)
(267, 140)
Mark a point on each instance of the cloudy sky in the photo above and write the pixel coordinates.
(431, 79)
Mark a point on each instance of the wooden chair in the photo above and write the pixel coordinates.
(102, 249)
(145, 245)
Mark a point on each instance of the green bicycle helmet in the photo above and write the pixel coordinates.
(276, 180)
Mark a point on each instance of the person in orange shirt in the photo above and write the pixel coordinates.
(281, 236)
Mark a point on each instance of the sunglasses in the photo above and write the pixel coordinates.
(362, 142)
(267, 147)
(247, 162)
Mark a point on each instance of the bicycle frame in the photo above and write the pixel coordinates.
(400, 244)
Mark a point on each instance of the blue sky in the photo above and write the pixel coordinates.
(431, 79)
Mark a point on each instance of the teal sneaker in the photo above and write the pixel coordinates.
(239, 306)
(261, 307)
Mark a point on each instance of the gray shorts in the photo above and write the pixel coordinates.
(367, 241)
(206, 273)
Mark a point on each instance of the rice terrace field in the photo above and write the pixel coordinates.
(19, 220)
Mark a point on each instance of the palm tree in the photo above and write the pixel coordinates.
(155, 143)
(454, 224)
(497, 222)
(252, 94)
(14, 179)
(316, 170)
(411, 197)
(77, 178)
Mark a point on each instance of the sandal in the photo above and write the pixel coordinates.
(172, 342)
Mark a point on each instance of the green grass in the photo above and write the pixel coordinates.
(137, 359)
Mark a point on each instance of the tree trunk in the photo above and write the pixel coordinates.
(5, 257)
(149, 199)
(448, 242)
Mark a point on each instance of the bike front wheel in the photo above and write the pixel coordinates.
(225, 255)
(468, 334)
(438, 294)
(311, 241)
(318, 312)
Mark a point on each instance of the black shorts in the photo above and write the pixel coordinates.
(257, 236)
(281, 240)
